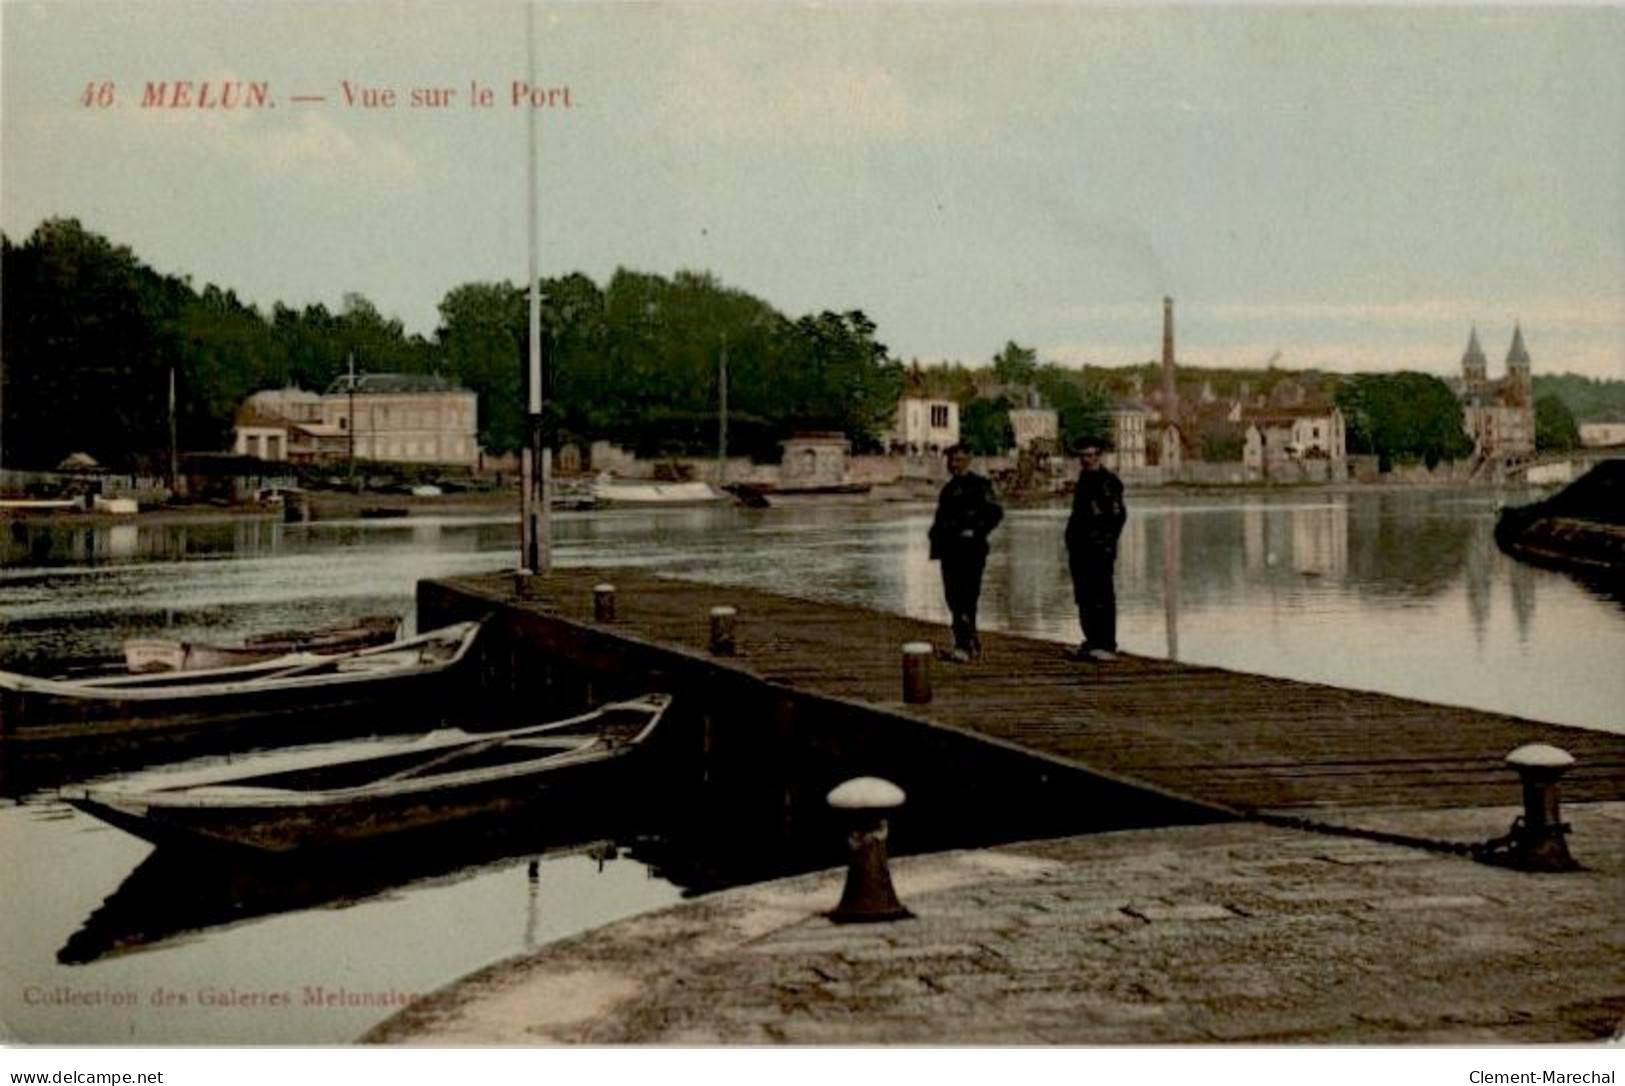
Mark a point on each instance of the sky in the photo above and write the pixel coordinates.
(1349, 189)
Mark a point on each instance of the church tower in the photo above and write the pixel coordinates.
(1520, 383)
(1474, 367)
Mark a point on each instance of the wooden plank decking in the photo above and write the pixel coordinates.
(1246, 742)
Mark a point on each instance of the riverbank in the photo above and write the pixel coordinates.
(1230, 933)
(349, 505)
(326, 505)
(155, 515)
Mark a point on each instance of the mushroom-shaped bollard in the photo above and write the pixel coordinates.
(1539, 843)
(868, 896)
(917, 672)
(1536, 841)
(603, 602)
(722, 631)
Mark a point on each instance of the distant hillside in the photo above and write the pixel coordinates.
(1590, 399)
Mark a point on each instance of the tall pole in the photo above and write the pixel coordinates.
(174, 451)
(534, 461)
(722, 414)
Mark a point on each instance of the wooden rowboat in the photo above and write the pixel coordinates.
(612, 492)
(44, 711)
(142, 654)
(325, 799)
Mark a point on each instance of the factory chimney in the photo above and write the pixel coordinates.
(1170, 395)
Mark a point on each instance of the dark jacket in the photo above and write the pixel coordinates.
(1098, 513)
(966, 514)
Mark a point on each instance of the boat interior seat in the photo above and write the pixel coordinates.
(553, 742)
(207, 792)
(389, 661)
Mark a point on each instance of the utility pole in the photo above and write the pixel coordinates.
(174, 449)
(534, 462)
(722, 414)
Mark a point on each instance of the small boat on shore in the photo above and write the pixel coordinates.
(612, 492)
(321, 799)
(143, 654)
(42, 711)
(573, 494)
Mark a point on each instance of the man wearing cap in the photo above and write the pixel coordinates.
(1097, 520)
(966, 515)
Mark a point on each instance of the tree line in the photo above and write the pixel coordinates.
(92, 335)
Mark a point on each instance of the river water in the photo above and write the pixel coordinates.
(103, 940)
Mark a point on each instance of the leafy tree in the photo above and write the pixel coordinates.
(1590, 399)
(984, 427)
(378, 344)
(1015, 365)
(1402, 416)
(839, 376)
(482, 340)
(92, 336)
(88, 341)
(1555, 428)
(1082, 404)
(1221, 443)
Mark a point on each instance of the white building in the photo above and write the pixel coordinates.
(1128, 437)
(405, 418)
(1602, 434)
(1035, 424)
(1284, 442)
(1164, 447)
(925, 425)
(813, 460)
(268, 441)
(388, 418)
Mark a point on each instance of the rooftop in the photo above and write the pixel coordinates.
(390, 382)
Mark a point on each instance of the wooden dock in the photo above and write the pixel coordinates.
(1232, 742)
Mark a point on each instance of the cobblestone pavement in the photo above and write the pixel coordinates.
(1212, 934)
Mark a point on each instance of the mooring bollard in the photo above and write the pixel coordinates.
(868, 896)
(1537, 839)
(917, 672)
(524, 584)
(722, 631)
(603, 602)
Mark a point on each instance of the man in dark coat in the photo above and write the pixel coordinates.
(966, 514)
(1097, 520)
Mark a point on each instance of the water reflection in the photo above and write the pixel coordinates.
(1372, 590)
(1284, 583)
(175, 893)
(1170, 581)
(1407, 546)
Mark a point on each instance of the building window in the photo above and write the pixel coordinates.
(939, 415)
